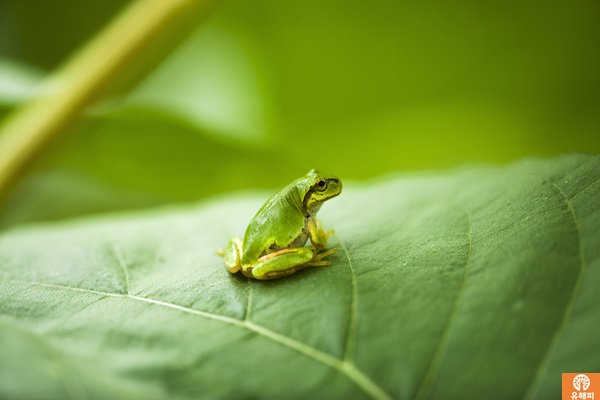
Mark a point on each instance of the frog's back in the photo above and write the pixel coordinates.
(279, 222)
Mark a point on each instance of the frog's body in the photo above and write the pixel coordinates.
(274, 243)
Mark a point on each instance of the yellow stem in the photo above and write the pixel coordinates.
(64, 94)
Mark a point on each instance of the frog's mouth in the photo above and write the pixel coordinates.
(336, 185)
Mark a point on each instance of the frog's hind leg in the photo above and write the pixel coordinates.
(281, 263)
(233, 255)
(288, 261)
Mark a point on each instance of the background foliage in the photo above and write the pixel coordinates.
(263, 90)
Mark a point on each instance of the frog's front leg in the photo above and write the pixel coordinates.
(318, 236)
(284, 262)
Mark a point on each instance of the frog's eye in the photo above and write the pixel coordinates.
(321, 185)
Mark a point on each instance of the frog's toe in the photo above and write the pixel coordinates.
(233, 268)
(322, 254)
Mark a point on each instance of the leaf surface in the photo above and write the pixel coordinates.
(482, 280)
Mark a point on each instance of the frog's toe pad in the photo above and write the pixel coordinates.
(233, 268)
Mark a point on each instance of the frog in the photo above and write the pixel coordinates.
(275, 242)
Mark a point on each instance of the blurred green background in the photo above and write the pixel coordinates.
(261, 91)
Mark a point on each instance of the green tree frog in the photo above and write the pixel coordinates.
(274, 243)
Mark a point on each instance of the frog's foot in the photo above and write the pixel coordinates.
(318, 257)
(329, 233)
(232, 255)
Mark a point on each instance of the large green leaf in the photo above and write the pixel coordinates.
(480, 281)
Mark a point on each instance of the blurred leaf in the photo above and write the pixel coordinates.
(445, 285)
(214, 82)
(60, 193)
(138, 158)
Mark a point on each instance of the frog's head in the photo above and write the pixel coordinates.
(320, 188)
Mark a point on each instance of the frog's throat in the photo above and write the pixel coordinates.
(312, 211)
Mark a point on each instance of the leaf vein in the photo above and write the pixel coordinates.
(248, 314)
(440, 351)
(534, 388)
(123, 266)
(74, 389)
(353, 320)
(347, 368)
